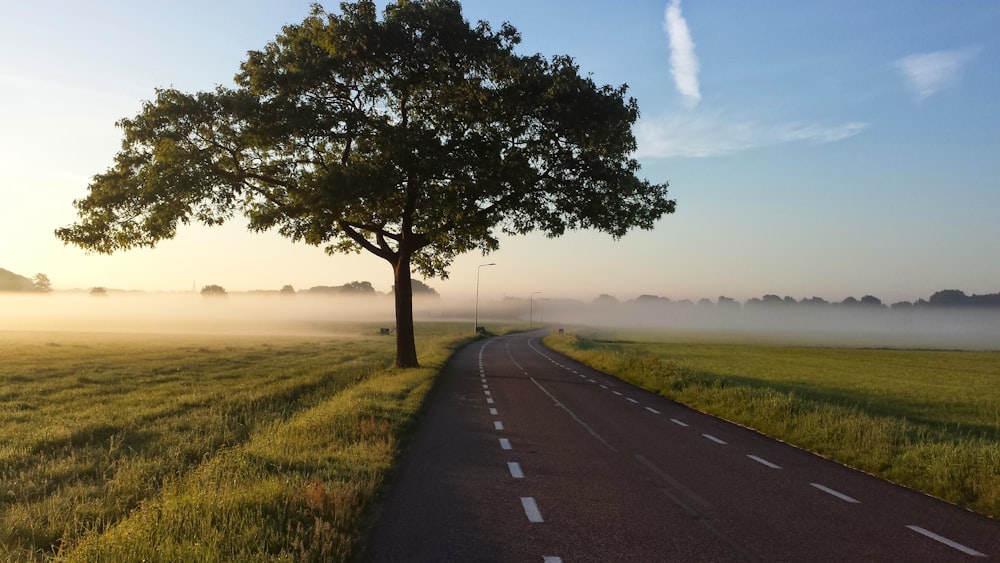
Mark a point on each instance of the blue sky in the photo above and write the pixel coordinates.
(814, 148)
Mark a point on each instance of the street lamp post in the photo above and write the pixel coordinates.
(476, 329)
(531, 307)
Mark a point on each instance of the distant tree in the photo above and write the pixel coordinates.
(358, 288)
(99, 291)
(9, 281)
(287, 290)
(871, 301)
(901, 305)
(705, 303)
(814, 301)
(772, 299)
(354, 288)
(850, 302)
(988, 300)
(213, 291)
(727, 302)
(421, 289)
(754, 302)
(789, 300)
(42, 283)
(605, 300)
(950, 298)
(411, 135)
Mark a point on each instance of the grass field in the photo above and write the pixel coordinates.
(201, 448)
(927, 419)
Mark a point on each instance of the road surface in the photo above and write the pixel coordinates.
(526, 455)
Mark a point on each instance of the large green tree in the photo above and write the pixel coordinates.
(412, 135)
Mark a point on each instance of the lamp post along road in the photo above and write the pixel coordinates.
(531, 308)
(478, 270)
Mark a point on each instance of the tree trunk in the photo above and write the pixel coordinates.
(406, 346)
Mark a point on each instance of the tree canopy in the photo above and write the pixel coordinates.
(414, 136)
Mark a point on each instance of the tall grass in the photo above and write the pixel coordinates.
(200, 449)
(926, 419)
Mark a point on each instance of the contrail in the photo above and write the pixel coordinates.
(683, 61)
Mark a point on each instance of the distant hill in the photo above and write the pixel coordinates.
(9, 281)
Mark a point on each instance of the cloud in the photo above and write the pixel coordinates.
(927, 73)
(683, 62)
(695, 136)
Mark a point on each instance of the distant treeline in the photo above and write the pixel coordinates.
(9, 281)
(946, 298)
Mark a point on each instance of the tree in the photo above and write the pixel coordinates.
(99, 291)
(287, 290)
(41, 283)
(213, 291)
(871, 301)
(413, 136)
(422, 290)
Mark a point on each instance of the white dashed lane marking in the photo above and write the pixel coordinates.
(493, 412)
(515, 470)
(497, 425)
(763, 461)
(531, 509)
(652, 410)
(679, 422)
(619, 393)
(504, 444)
(631, 400)
(551, 559)
(837, 494)
(489, 400)
(714, 439)
(950, 543)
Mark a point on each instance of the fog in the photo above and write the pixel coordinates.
(306, 314)
(831, 325)
(188, 313)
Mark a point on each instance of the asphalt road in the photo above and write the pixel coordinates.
(526, 455)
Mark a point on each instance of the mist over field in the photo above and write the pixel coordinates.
(939, 328)
(307, 314)
(187, 313)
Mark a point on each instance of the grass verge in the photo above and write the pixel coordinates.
(929, 420)
(155, 448)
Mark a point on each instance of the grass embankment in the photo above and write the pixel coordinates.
(927, 419)
(128, 448)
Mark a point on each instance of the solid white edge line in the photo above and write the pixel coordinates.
(497, 425)
(716, 440)
(652, 410)
(837, 494)
(950, 543)
(515, 470)
(763, 461)
(531, 509)
(679, 422)
(504, 444)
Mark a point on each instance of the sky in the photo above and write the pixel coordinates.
(816, 148)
